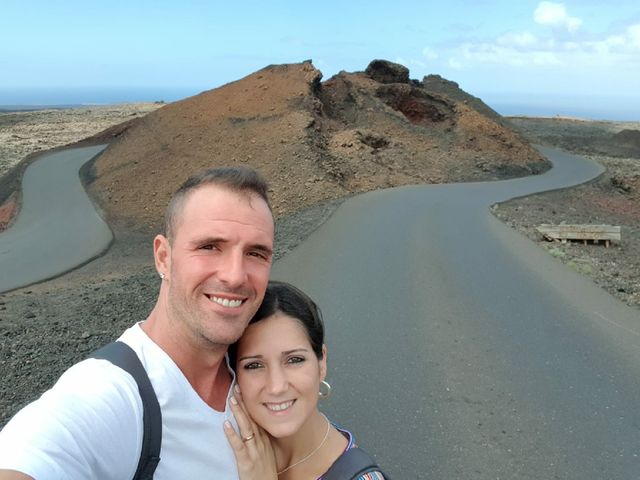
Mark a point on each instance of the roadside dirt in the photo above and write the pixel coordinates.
(612, 199)
(317, 144)
(26, 134)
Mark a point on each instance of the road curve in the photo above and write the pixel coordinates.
(57, 228)
(459, 349)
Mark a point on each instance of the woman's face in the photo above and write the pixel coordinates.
(279, 374)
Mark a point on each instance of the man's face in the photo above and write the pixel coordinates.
(218, 263)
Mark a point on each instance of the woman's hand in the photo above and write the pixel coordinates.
(252, 448)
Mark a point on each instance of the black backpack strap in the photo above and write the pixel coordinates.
(123, 356)
(352, 464)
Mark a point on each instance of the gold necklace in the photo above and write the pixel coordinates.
(315, 450)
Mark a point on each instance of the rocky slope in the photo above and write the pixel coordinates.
(313, 140)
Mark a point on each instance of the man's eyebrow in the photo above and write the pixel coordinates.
(221, 240)
(203, 240)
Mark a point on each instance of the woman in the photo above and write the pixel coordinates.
(281, 364)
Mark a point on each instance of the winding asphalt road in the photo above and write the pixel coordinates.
(457, 348)
(460, 350)
(58, 228)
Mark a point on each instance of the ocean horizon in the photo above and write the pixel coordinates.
(578, 106)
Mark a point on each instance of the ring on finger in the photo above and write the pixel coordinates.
(248, 437)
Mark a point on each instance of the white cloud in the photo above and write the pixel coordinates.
(524, 39)
(633, 33)
(524, 49)
(625, 43)
(545, 58)
(455, 64)
(573, 24)
(555, 15)
(494, 53)
(549, 13)
(410, 62)
(429, 53)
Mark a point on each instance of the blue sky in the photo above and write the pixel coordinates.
(521, 51)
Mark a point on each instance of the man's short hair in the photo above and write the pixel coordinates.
(237, 179)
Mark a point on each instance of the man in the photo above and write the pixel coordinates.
(214, 265)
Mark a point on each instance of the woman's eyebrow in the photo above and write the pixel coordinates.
(301, 349)
(247, 357)
(287, 352)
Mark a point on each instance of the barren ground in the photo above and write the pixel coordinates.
(611, 199)
(47, 327)
(25, 134)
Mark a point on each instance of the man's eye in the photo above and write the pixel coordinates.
(259, 254)
(295, 359)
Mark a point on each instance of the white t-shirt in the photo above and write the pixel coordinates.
(89, 425)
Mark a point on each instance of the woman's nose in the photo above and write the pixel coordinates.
(277, 381)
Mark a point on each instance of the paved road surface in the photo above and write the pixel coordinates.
(460, 350)
(57, 228)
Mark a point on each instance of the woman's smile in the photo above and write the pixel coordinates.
(279, 407)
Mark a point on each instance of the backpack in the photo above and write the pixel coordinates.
(351, 465)
(123, 356)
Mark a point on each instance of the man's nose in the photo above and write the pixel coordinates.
(233, 270)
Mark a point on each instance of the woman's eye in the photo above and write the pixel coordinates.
(295, 359)
(251, 366)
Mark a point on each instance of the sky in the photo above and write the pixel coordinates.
(580, 52)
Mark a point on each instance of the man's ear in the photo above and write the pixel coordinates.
(162, 255)
(323, 363)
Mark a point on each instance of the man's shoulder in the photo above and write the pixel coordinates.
(91, 387)
(93, 411)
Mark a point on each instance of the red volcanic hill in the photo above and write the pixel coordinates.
(312, 140)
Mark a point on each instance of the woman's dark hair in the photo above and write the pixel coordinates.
(285, 298)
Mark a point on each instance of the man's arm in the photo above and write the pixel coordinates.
(89, 425)
(13, 475)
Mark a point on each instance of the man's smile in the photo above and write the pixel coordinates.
(226, 302)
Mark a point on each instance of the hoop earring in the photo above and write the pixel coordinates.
(327, 393)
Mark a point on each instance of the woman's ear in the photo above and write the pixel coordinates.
(323, 363)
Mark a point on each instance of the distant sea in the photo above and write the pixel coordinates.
(579, 106)
(23, 98)
(586, 107)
